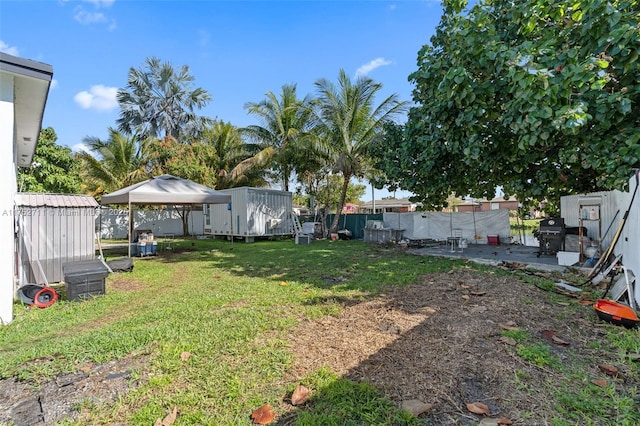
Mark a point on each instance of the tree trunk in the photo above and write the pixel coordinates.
(285, 177)
(184, 215)
(343, 196)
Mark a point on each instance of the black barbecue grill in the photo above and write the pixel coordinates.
(551, 235)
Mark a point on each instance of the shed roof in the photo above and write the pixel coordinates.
(32, 199)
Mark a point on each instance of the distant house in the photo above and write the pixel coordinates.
(350, 208)
(498, 203)
(402, 205)
(24, 87)
(511, 204)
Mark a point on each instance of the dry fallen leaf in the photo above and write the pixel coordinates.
(283, 283)
(86, 368)
(509, 325)
(169, 419)
(508, 340)
(559, 341)
(609, 370)
(478, 293)
(185, 356)
(216, 276)
(416, 407)
(600, 382)
(300, 395)
(466, 297)
(495, 422)
(553, 338)
(478, 408)
(263, 415)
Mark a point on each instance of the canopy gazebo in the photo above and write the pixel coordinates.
(163, 190)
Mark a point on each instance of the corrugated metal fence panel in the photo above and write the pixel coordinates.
(55, 236)
(354, 223)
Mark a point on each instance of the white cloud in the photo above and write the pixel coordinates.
(54, 84)
(367, 68)
(99, 97)
(87, 18)
(101, 3)
(80, 147)
(10, 50)
(393, 7)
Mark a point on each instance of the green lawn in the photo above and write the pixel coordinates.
(230, 306)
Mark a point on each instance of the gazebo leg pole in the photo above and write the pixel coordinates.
(130, 230)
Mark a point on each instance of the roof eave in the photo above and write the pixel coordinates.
(31, 81)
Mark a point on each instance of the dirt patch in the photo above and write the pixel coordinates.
(23, 403)
(439, 341)
(122, 283)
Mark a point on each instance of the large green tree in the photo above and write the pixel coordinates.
(349, 121)
(160, 101)
(188, 161)
(284, 129)
(233, 161)
(540, 97)
(111, 164)
(53, 168)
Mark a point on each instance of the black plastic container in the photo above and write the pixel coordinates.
(84, 278)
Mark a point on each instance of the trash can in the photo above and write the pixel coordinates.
(84, 278)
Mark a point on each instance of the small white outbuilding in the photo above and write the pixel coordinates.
(253, 212)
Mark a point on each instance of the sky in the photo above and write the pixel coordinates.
(236, 50)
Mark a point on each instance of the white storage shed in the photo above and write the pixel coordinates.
(253, 212)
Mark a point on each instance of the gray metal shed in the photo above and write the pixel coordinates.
(52, 229)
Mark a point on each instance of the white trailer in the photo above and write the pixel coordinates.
(253, 212)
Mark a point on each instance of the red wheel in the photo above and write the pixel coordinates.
(45, 298)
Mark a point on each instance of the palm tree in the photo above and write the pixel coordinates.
(113, 163)
(160, 102)
(234, 161)
(284, 129)
(350, 121)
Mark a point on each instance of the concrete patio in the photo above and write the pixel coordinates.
(496, 255)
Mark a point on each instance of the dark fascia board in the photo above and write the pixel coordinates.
(25, 67)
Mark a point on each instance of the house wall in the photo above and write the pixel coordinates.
(8, 188)
(485, 206)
